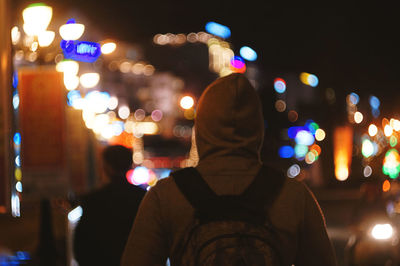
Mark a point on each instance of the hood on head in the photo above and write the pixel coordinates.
(229, 119)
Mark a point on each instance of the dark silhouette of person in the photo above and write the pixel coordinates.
(229, 131)
(108, 212)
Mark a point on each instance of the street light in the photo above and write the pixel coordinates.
(108, 48)
(71, 30)
(37, 18)
(187, 102)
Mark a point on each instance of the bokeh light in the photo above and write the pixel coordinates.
(186, 102)
(108, 47)
(374, 102)
(238, 65)
(124, 112)
(293, 171)
(218, 29)
(367, 171)
(71, 30)
(358, 117)
(280, 105)
(279, 85)
(372, 130)
(320, 134)
(286, 151)
(367, 148)
(248, 54)
(89, 80)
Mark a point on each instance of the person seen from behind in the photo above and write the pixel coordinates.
(229, 132)
(108, 212)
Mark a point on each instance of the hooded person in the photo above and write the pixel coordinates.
(229, 131)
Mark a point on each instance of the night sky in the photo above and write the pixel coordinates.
(349, 46)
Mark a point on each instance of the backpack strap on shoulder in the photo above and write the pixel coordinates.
(193, 187)
(265, 187)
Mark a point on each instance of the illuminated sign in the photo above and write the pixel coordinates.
(81, 51)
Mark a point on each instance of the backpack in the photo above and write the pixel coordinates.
(230, 230)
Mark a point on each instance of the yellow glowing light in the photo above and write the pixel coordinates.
(320, 134)
(15, 35)
(187, 102)
(304, 78)
(148, 70)
(148, 128)
(386, 186)
(396, 125)
(189, 114)
(89, 80)
(18, 174)
(69, 67)
(342, 172)
(108, 47)
(372, 130)
(71, 82)
(388, 130)
(45, 38)
(342, 152)
(37, 18)
(72, 31)
(358, 117)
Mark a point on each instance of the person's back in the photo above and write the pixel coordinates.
(229, 132)
(108, 213)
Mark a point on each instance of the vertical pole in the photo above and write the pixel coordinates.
(5, 106)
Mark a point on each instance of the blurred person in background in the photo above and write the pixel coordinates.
(229, 131)
(108, 212)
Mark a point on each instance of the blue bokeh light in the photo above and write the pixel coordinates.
(279, 85)
(218, 29)
(72, 96)
(15, 80)
(312, 80)
(286, 152)
(248, 54)
(374, 102)
(354, 98)
(17, 138)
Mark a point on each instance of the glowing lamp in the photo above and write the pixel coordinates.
(71, 82)
(36, 18)
(342, 152)
(382, 231)
(71, 31)
(187, 102)
(248, 54)
(89, 80)
(108, 48)
(68, 67)
(45, 38)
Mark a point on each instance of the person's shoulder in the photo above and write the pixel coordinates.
(163, 185)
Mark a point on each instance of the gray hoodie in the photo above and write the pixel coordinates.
(229, 133)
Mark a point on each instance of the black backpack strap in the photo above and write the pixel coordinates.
(265, 187)
(194, 188)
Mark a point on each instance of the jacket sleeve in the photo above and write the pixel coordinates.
(147, 242)
(314, 247)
